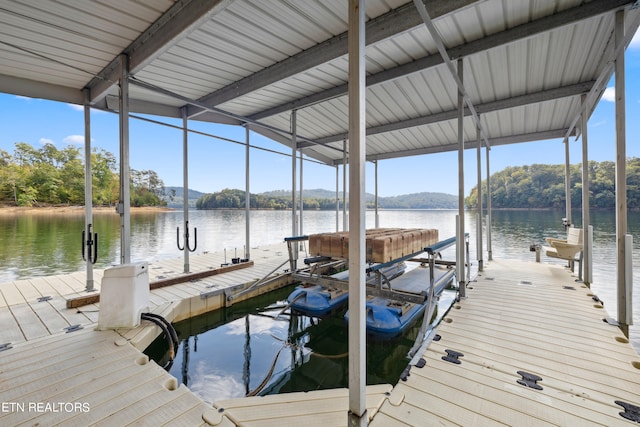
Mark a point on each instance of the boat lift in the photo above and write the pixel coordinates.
(382, 284)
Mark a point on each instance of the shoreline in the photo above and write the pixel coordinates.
(47, 210)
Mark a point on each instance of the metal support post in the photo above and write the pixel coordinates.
(294, 187)
(124, 205)
(357, 415)
(91, 245)
(479, 203)
(621, 175)
(586, 250)
(247, 195)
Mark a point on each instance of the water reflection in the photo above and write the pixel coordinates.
(253, 348)
(39, 245)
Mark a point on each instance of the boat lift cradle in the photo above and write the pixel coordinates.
(382, 285)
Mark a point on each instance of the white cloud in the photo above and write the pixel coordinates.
(74, 139)
(609, 94)
(635, 41)
(44, 141)
(80, 108)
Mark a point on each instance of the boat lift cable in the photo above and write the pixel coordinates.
(154, 88)
(300, 295)
(169, 332)
(221, 138)
(264, 382)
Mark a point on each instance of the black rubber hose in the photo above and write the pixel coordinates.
(172, 331)
(164, 329)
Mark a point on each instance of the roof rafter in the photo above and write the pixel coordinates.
(501, 104)
(175, 24)
(566, 17)
(513, 139)
(377, 29)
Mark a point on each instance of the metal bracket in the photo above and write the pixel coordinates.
(529, 380)
(570, 288)
(452, 356)
(44, 298)
(405, 374)
(73, 328)
(631, 412)
(6, 346)
(421, 363)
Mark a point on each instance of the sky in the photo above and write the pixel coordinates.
(216, 164)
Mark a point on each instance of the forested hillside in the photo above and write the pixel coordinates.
(49, 176)
(321, 199)
(542, 186)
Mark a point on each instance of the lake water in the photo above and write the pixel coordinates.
(40, 244)
(268, 351)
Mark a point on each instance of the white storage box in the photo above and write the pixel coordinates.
(124, 295)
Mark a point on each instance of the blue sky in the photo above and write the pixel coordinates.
(216, 164)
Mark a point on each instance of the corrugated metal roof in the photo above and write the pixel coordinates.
(526, 63)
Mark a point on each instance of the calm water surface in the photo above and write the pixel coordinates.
(39, 244)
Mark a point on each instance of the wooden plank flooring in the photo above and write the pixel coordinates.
(521, 317)
(24, 317)
(319, 408)
(517, 317)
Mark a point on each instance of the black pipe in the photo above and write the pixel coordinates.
(172, 331)
(168, 331)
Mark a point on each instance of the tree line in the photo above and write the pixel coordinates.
(51, 176)
(543, 186)
(235, 199)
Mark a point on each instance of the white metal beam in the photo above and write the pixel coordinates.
(175, 24)
(357, 146)
(34, 89)
(511, 35)
(380, 28)
(621, 173)
(501, 104)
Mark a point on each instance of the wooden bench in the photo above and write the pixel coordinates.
(569, 249)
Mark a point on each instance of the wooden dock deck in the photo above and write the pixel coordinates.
(521, 317)
(518, 317)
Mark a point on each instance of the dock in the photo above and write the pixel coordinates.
(531, 343)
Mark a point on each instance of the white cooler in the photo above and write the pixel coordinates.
(124, 295)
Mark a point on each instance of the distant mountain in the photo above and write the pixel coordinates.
(174, 197)
(314, 199)
(425, 200)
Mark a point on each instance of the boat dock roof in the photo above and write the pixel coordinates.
(518, 317)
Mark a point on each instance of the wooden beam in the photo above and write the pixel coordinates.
(95, 298)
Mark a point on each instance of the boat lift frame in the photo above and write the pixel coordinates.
(311, 274)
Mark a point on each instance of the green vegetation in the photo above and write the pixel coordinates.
(234, 199)
(48, 176)
(321, 199)
(542, 186)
